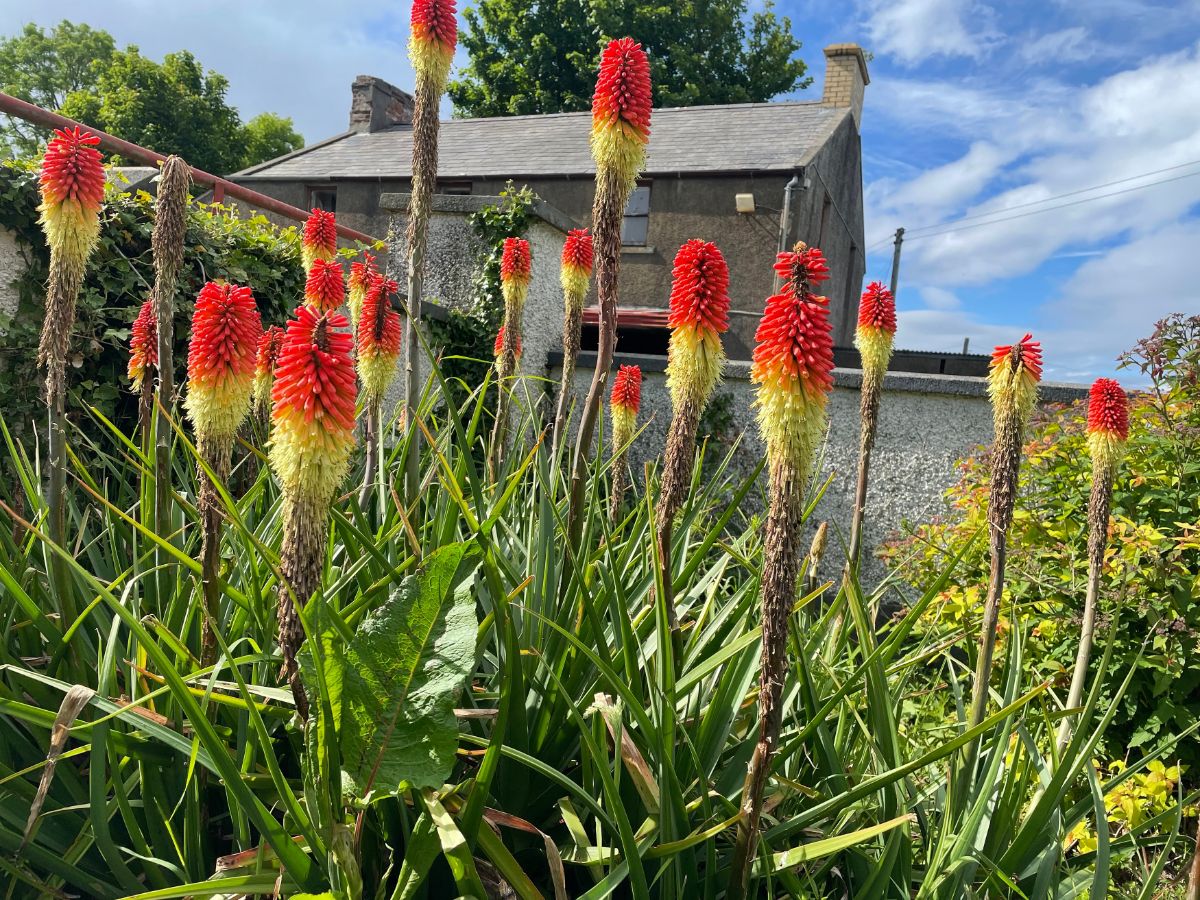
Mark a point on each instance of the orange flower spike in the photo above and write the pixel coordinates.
(1107, 422)
(498, 346)
(876, 328)
(577, 259)
(221, 360)
(378, 339)
(699, 314)
(621, 109)
(624, 401)
(433, 38)
(267, 358)
(516, 265)
(320, 238)
(72, 187)
(313, 398)
(1013, 377)
(361, 274)
(325, 287)
(143, 344)
(793, 363)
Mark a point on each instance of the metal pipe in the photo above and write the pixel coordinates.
(785, 220)
(14, 106)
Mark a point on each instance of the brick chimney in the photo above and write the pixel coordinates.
(375, 104)
(846, 78)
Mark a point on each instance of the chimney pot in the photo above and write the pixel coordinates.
(846, 78)
(375, 104)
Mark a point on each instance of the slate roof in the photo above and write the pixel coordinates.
(738, 137)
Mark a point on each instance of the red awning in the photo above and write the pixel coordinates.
(630, 317)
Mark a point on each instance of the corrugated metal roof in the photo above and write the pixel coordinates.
(739, 137)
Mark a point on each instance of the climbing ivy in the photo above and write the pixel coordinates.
(220, 243)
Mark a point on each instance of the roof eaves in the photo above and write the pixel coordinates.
(295, 153)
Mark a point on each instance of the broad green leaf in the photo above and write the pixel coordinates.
(404, 667)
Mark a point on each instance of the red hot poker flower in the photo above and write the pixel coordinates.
(325, 287)
(72, 169)
(801, 265)
(1108, 409)
(578, 251)
(877, 309)
(362, 272)
(627, 388)
(699, 314)
(498, 346)
(433, 37)
(267, 357)
(314, 395)
(378, 338)
(221, 359)
(320, 237)
(516, 262)
(1013, 375)
(621, 109)
(143, 344)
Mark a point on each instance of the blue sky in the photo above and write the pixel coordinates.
(974, 107)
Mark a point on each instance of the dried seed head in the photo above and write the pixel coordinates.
(221, 360)
(313, 406)
(143, 345)
(698, 315)
(621, 109)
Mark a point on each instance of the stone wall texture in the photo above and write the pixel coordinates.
(12, 267)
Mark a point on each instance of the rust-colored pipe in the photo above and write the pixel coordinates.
(221, 186)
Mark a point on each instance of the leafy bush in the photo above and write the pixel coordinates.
(120, 274)
(1151, 586)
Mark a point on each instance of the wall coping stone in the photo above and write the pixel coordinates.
(465, 204)
(909, 382)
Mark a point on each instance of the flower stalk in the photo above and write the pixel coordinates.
(699, 314)
(620, 132)
(874, 337)
(377, 337)
(1012, 385)
(433, 37)
(72, 189)
(516, 267)
(312, 435)
(576, 272)
(1107, 432)
(793, 366)
(226, 330)
(623, 405)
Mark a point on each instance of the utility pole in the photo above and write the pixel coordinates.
(896, 260)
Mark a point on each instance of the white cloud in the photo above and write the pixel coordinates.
(915, 30)
(1056, 47)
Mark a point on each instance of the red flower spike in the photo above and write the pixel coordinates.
(434, 22)
(1026, 353)
(320, 237)
(72, 169)
(699, 288)
(801, 265)
(269, 346)
(498, 346)
(622, 99)
(627, 388)
(1108, 409)
(795, 342)
(325, 287)
(378, 337)
(314, 394)
(516, 262)
(877, 308)
(143, 344)
(578, 252)
(221, 359)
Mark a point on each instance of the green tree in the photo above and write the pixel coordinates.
(175, 106)
(43, 69)
(269, 136)
(539, 56)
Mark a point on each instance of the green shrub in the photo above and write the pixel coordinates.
(1151, 588)
(219, 244)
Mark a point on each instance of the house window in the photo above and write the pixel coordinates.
(460, 188)
(324, 198)
(636, 223)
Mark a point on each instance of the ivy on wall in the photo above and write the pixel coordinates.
(219, 244)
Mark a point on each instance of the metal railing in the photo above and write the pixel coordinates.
(221, 187)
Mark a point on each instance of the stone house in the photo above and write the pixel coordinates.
(751, 177)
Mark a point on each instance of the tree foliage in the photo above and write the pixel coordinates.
(539, 56)
(175, 106)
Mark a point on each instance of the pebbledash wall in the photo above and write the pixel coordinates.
(927, 422)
